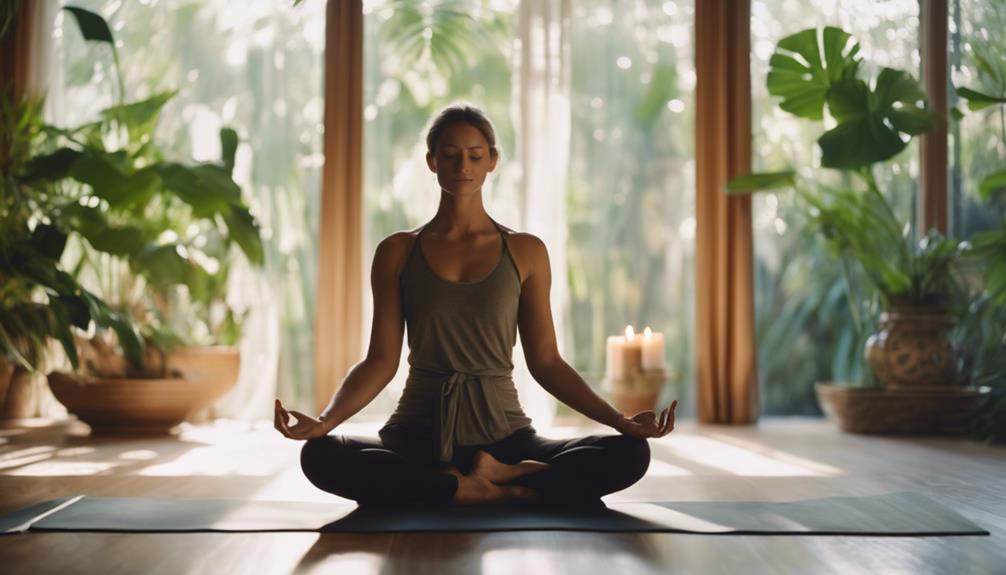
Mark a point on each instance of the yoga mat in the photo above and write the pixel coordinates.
(900, 513)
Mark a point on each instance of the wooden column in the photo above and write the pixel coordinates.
(724, 324)
(932, 198)
(338, 317)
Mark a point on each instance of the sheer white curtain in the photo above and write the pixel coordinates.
(541, 112)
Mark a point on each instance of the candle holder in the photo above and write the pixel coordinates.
(637, 391)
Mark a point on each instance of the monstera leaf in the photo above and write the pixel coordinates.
(871, 122)
(803, 69)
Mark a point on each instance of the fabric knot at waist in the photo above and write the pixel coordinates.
(472, 409)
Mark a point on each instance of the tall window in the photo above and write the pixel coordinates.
(978, 139)
(628, 199)
(631, 192)
(804, 329)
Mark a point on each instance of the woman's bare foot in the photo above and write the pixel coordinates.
(486, 466)
(473, 489)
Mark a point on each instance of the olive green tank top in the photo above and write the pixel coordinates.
(461, 337)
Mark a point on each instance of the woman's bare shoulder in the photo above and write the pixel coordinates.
(527, 250)
(392, 251)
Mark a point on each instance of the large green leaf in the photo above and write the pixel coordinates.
(977, 100)
(129, 338)
(92, 26)
(443, 30)
(140, 118)
(992, 183)
(804, 67)
(49, 241)
(164, 266)
(113, 180)
(120, 240)
(243, 229)
(51, 167)
(873, 125)
(208, 188)
(59, 326)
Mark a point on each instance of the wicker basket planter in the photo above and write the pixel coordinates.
(908, 411)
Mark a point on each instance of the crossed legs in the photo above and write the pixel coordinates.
(523, 466)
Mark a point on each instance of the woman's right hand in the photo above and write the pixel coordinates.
(307, 427)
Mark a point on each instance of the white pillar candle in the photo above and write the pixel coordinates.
(632, 353)
(652, 349)
(613, 357)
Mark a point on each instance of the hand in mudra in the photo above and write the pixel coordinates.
(646, 424)
(307, 427)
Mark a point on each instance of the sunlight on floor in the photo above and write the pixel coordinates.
(507, 561)
(61, 469)
(254, 449)
(725, 454)
(348, 562)
(660, 468)
(208, 461)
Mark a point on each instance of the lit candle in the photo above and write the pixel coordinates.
(652, 351)
(632, 352)
(624, 354)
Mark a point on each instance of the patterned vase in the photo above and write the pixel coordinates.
(913, 348)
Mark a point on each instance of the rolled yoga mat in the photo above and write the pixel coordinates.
(900, 513)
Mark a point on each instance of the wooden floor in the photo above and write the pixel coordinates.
(780, 459)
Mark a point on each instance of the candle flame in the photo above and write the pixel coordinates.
(629, 334)
(647, 332)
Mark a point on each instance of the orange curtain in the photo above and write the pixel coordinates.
(725, 336)
(15, 49)
(338, 316)
(932, 212)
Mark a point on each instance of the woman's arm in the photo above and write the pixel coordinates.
(537, 335)
(367, 378)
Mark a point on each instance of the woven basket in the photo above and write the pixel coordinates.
(905, 411)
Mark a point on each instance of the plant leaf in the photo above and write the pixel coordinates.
(874, 125)
(977, 100)
(228, 148)
(992, 183)
(761, 181)
(802, 70)
(92, 26)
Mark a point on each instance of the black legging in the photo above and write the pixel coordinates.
(402, 467)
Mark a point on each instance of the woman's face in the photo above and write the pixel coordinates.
(461, 159)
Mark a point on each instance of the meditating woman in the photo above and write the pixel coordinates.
(463, 284)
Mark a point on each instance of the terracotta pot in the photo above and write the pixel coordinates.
(21, 399)
(914, 411)
(913, 348)
(150, 406)
(6, 370)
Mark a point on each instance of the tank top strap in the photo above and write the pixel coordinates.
(508, 255)
(502, 234)
(415, 244)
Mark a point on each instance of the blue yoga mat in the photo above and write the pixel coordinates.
(899, 513)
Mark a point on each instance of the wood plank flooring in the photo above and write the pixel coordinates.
(780, 459)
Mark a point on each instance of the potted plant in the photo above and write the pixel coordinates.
(39, 301)
(917, 284)
(985, 335)
(155, 239)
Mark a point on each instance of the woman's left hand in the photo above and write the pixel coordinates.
(646, 424)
